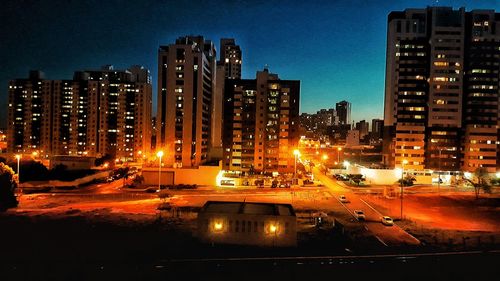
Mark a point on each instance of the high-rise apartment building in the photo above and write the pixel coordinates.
(186, 82)
(377, 127)
(228, 67)
(363, 128)
(441, 109)
(261, 123)
(230, 57)
(29, 126)
(343, 109)
(99, 112)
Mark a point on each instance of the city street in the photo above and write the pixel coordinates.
(387, 235)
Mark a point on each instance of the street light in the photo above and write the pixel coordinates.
(439, 171)
(325, 157)
(159, 154)
(296, 153)
(404, 162)
(338, 153)
(18, 157)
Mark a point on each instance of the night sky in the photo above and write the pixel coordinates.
(336, 48)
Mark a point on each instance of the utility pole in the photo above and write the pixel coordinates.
(439, 172)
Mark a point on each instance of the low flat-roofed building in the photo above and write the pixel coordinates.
(248, 223)
(72, 162)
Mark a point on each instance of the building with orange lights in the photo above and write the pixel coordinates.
(261, 123)
(98, 112)
(3, 141)
(442, 89)
(242, 223)
(186, 85)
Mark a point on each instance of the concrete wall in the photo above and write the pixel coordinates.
(203, 175)
(56, 183)
(386, 176)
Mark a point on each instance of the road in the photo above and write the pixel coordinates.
(387, 235)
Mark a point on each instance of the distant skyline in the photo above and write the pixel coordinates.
(336, 48)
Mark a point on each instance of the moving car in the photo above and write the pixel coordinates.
(343, 199)
(387, 221)
(360, 215)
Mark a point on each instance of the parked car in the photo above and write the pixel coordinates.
(387, 221)
(341, 177)
(343, 199)
(360, 215)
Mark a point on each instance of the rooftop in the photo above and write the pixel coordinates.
(253, 208)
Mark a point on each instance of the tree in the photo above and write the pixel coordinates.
(33, 171)
(481, 174)
(408, 180)
(7, 187)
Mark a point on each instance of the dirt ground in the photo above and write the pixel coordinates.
(454, 221)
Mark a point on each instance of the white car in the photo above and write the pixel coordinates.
(343, 199)
(387, 221)
(360, 215)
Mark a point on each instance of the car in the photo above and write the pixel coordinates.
(360, 215)
(343, 199)
(387, 221)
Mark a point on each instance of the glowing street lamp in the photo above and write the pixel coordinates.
(218, 226)
(325, 157)
(273, 228)
(338, 153)
(403, 163)
(296, 153)
(18, 157)
(159, 154)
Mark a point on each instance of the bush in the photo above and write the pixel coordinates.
(407, 181)
(7, 188)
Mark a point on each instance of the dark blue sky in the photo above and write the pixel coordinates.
(336, 48)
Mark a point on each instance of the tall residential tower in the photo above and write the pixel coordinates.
(261, 123)
(186, 82)
(441, 96)
(96, 113)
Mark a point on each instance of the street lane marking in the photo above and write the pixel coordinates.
(380, 240)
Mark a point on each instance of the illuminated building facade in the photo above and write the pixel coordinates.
(230, 57)
(261, 123)
(260, 224)
(186, 82)
(228, 67)
(441, 110)
(29, 126)
(99, 112)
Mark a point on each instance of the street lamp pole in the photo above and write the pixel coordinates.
(402, 173)
(159, 154)
(325, 158)
(296, 153)
(338, 154)
(18, 157)
(439, 172)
